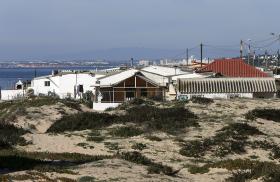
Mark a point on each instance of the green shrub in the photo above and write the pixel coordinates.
(96, 138)
(202, 100)
(240, 176)
(269, 114)
(248, 169)
(112, 146)
(110, 109)
(135, 102)
(10, 136)
(71, 104)
(139, 146)
(70, 157)
(136, 157)
(126, 131)
(153, 138)
(44, 162)
(230, 139)
(86, 179)
(82, 121)
(153, 167)
(149, 117)
(196, 169)
(159, 168)
(195, 148)
(165, 119)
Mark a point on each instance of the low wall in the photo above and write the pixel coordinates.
(11, 94)
(104, 106)
(219, 96)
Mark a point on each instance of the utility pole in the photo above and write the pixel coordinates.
(265, 59)
(254, 58)
(241, 49)
(201, 54)
(187, 55)
(249, 53)
(131, 63)
(278, 60)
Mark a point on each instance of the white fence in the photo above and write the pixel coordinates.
(104, 106)
(11, 94)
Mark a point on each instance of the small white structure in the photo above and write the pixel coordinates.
(64, 84)
(11, 94)
(227, 88)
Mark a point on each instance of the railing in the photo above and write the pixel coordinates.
(123, 96)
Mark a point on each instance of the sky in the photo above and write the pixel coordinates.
(120, 29)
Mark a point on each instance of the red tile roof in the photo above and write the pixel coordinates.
(233, 68)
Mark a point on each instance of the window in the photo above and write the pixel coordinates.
(47, 83)
(144, 92)
(130, 93)
(80, 88)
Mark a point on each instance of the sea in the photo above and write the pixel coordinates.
(9, 76)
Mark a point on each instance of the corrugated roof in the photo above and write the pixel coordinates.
(233, 68)
(163, 71)
(227, 85)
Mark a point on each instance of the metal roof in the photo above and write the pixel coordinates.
(116, 78)
(164, 71)
(233, 68)
(227, 85)
(193, 75)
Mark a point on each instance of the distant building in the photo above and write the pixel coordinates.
(167, 76)
(232, 68)
(145, 63)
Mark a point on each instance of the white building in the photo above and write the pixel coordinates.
(65, 84)
(225, 88)
(167, 76)
(144, 63)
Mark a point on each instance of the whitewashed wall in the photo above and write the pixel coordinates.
(64, 85)
(38, 85)
(11, 94)
(104, 106)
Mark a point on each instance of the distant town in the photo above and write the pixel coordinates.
(53, 64)
(262, 60)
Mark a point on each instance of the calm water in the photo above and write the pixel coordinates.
(9, 76)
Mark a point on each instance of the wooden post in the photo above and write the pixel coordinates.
(113, 95)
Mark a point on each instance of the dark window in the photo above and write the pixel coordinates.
(47, 83)
(81, 88)
(144, 92)
(19, 87)
(130, 93)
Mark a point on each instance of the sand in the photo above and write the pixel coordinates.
(212, 118)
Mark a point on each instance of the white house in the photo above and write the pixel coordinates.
(65, 84)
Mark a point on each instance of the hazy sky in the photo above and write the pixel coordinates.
(49, 29)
